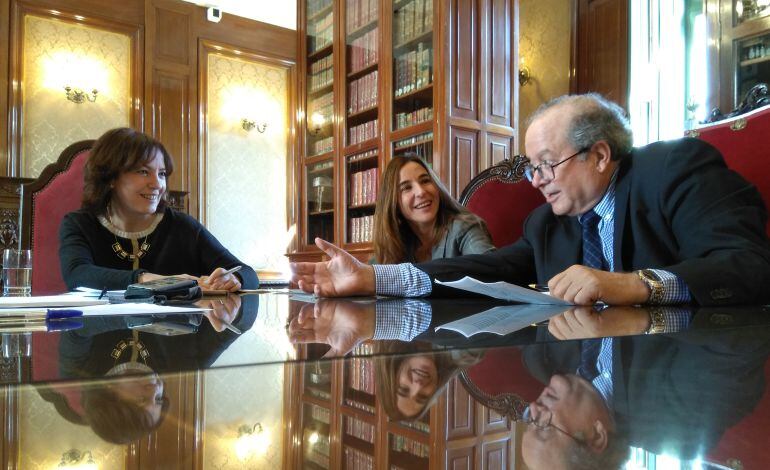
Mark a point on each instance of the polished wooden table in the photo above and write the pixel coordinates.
(326, 384)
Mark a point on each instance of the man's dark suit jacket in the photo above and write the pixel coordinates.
(677, 207)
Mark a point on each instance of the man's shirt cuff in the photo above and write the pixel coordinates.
(401, 280)
(675, 291)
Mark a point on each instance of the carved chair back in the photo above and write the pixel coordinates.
(500, 197)
(743, 142)
(45, 201)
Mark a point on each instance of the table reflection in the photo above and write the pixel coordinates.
(374, 383)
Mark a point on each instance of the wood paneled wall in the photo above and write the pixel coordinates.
(165, 104)
(479, 96)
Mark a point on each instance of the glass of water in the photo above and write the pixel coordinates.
(17, 272)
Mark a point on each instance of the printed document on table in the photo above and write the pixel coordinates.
(139, 309)
(504, 291)
(49, 301)
(504, 319)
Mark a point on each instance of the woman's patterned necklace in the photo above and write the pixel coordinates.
(118, 248)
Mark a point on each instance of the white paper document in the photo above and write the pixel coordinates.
(504, 291)
(50, 301)
(138, 309)
(504, 319)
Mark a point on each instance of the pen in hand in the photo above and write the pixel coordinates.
(539, 287)
(232, 270)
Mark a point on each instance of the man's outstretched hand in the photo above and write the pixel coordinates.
(341, 276)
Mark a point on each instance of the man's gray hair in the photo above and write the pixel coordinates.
(595, 118)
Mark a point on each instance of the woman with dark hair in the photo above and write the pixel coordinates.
(125, 232)
(417, 220)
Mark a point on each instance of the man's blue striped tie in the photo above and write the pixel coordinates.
(592, 245)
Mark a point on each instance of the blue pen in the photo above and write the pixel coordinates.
(60, 314)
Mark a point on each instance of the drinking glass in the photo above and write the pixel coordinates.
(17, 272)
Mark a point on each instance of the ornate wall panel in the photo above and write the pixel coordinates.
(177, 24)
(544, 32)
(260, 397)
(500, 58)
(461, 412)
(495, 455)
(464, 59)
(39, 418)
(499, 148)
(172, 122)
(463, 158)
(246, 172)
(56, 54)
(461, 459)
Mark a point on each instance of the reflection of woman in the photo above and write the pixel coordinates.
(417, 220)
(125, 233)
(411, 376)
(129, 401)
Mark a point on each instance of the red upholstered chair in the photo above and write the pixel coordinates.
(45, 202)
(500, 197)
(743, 141)
(501, 382)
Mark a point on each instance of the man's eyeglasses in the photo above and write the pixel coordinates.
(545, 169)
(543, 422)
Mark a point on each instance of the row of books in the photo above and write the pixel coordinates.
(359, 406)
(362, 132)
(411, 20)
(415, 117)
(323, 395)
(362, 93)
(404, 444)
(357, 460)
(359, 429)
(317, 458)
(362, 156)
(363, 187)
(418, 425)
(359, 13)
(360, 370)
(413, 70)
(323, 106)
(320, 32)
(413, 141)
(320, 414)
(364, 51)
(314, 6)
(323, 145)
(321, 73)
(318, 442)
(361, 229)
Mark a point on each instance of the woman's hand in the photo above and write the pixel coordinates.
(220, 280)
(147, 277)
(223, 309)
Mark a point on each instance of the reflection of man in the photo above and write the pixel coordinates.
(571, 427)
(671, 395)
(662, 224)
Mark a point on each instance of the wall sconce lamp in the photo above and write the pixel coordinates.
(75, 459)
(251, 440)
(248, 125)
(76, 95)
(524, 75)
(317, 121)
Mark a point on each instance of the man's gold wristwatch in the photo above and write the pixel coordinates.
(657, 321)
(654, 285)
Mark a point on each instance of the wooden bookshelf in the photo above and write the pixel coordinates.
(396, 77)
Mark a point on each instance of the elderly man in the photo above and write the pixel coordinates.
(662, 224)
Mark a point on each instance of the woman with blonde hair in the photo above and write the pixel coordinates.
(417, 220)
